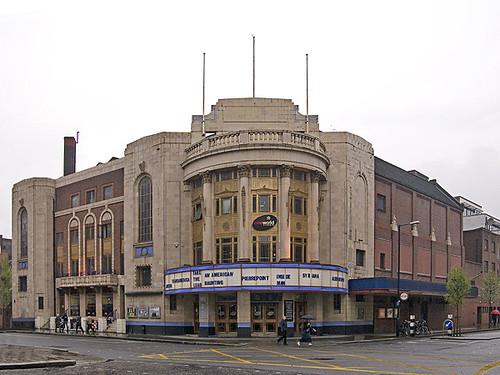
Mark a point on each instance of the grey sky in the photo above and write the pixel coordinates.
(420, 80)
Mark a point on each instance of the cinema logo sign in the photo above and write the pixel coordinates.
(265, 222)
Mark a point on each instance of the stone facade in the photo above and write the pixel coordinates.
(253, 214)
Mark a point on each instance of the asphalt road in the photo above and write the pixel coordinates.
(477, 355)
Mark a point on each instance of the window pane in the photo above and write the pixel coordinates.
(75, 201)
(24, 233)
(264, 203)
(108, 192)
(226, 205)
(297, 206)
(90, 196)
(145, 210)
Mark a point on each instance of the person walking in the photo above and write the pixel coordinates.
(65, 323)
(306, 333)
(78, 324)
(58, 323)
(283, 328)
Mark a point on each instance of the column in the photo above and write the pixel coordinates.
(244, 314)
(284, 214)
(187, 238)
(313, 222)
(244, 215)
(208, 235)
(207, 314)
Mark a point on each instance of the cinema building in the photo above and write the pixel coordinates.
(252, 215)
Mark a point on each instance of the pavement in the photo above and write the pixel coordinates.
(23, 357)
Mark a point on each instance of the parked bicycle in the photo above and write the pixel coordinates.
(421, 328)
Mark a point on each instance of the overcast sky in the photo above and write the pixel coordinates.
(420, 80)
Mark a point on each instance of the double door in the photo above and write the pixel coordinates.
(227, 317)
(264, 318)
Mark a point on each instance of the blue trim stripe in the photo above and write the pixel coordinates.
(207, 324)
(23, 319)
(257, 265)
(243, 325)
(269, 288)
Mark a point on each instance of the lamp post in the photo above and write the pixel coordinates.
(399, 271)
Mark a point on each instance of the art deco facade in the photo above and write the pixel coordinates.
(253, 214)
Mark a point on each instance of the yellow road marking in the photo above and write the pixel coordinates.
(230, 356)
(397, 363)
(317, 364)
(352, 368)
(487, 368)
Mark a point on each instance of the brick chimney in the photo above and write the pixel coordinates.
(69, 155)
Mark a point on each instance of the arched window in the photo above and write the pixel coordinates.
(24, 233)
(145, 210)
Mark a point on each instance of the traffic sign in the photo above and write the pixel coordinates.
(448, 324)
(404, 296)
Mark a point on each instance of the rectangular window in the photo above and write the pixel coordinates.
(40, 303)
(73, 236)
(235, 205)
(108, 192)
(297, 204)
(360, 258)
(485, 245)
(143, 276)
(493, 249)
(226, 206)
(485, 266)
(337, 302)
(226, 250)
(493, 266)
(264, 249)
(299, 247)
(90, 196)
(226, 175)
(263, 203)
(59, 239)
(23, 283)
(89, 233)
(198, 252)
(173, 302)
(274, 203)
(264, 172)
(382, 261)
(106, 230)
(254, 203)
(381, 202)
(75, 200)
(197, 212)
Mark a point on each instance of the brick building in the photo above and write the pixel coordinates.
(428, 250)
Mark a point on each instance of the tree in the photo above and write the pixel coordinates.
(5, 283)
(490, 291)
(458, 287)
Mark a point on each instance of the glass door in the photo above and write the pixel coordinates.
(264, 318)
(227, 317)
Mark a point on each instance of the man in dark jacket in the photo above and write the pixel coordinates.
(282, 329)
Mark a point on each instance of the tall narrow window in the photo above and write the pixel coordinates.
(24, 233)
(145, 210)
(382, 261)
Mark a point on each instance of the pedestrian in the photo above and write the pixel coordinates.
(282, 330)
(65, 322)
(306, 333)
(78, 324)
(58, 323)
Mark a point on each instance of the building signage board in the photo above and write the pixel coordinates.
(256, 276)
(264, 222)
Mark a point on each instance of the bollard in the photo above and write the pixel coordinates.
(412, 325)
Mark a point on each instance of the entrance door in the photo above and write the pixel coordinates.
(264, 319)
(227, 317)
(300, 309)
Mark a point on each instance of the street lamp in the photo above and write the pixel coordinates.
(399, 270)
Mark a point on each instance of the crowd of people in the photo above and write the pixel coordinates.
(63, 324)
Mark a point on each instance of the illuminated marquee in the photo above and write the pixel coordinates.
(268, 276)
